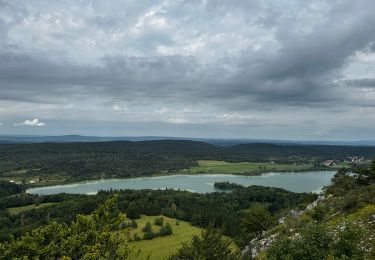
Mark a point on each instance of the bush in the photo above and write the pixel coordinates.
(159, 221)
(347, 242)
(147, 227)
(209, 245)
(133, 224)
(166, 230)
(313, 242)
(148, 235)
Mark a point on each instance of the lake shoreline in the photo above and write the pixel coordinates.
(177, 172)
(188, 182)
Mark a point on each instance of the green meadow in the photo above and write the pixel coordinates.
(161, 247)
(222, 167)
(17, 210)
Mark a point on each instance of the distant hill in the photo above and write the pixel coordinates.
(72, 161)
(4, 139)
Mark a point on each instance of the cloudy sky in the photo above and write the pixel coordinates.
(281, 69)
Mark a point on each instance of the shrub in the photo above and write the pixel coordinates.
(166, 230)
(159, 221)
(148, 235)
(133, 224)
(147, 227)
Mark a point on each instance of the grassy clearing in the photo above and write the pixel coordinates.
(17, 210)
(162, 247)
(208, 166)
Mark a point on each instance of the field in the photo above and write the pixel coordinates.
(208, 166)
(161, 247)
(17, 210)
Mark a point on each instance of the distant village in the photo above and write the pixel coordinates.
(350, 160)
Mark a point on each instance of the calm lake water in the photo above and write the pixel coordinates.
(294, 181)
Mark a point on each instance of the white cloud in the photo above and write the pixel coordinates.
(161, 111)
(33, 122)
(1, 124)
(117, 108)
(177, 120)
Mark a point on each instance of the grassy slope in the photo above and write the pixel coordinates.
(17, 210)
(162, 247)
(208, 166)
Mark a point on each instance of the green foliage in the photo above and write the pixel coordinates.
(319, 213)
(313, 242)
(159, 221)
(347, 244)
(147, 227)
(254, 221)
(222, 210)
(133, 211)
(342, 226)
(148, 235)
(166, 230)
(8, 188)
(209, 246)
(88, 237)
(226, 185)
(133, 224)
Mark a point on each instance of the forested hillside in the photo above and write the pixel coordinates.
(66, 162)
(221, 209)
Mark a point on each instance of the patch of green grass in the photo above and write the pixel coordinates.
(162, 247)
(221, 167)
(17, 210)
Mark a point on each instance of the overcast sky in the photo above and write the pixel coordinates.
(280, 69)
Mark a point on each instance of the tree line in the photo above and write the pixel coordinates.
(78, 161)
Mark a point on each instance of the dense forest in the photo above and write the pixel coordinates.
(68, 162)
(222, 210)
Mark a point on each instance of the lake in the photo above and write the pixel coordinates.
(312, 181)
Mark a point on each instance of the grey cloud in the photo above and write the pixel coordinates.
(366, 82)
(300, 72)
(283, 55)
(306, 66)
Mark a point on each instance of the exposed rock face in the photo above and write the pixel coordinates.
(258, 245)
